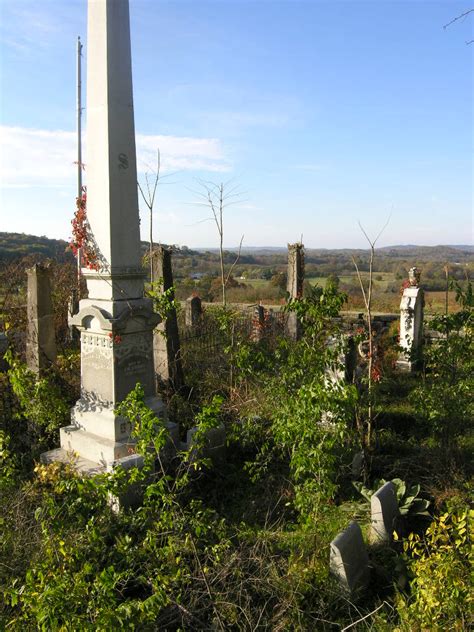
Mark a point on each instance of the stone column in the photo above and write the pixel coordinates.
(41, 341)
(294, 286)
(411, 323)
(116, 321)
(166, 345)
(258, 323)
(193, 311)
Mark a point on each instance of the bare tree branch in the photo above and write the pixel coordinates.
(149, 200)
(367, 296)
(236, 260)
(462, 16)
(216, 197)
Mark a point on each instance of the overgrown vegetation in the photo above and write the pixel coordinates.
(243, 545)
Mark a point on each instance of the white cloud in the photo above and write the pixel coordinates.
(180, 153)
(34, 157)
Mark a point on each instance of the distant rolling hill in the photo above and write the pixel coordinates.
(15, 245)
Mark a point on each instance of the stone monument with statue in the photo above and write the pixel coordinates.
(411, 323)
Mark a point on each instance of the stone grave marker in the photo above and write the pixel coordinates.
(258, 323)
(384, 513)
(193, 311)
(348, 560)
(294, 286)
(212, 445)
(166, 343)
(40, 340)
(411, 323)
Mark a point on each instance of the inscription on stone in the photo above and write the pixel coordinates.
(123, 161)
(134, 366)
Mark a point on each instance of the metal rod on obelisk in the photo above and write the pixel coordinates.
(79, 140)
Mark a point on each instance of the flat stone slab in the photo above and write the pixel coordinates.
(384, 513)
(82, 465)
(349, 561)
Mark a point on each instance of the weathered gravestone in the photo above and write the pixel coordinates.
(193, 312)
(348, 560)
(384, 513)
(207, 444)
(116, 321)
(411, 323)
(258, 323)
(166, 344)
(342, 370)
(40, 340)
(294, 286)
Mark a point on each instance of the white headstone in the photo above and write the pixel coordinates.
(411, 323)
(348, 560)
(384, 512)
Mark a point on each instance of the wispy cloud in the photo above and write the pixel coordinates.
(245, 119)
(180, 153)
(32, 25)
(308, 167)
(34, 157)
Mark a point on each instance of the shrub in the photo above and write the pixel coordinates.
(439, 563)
(445, 395)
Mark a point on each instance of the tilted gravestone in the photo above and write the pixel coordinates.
(384, 513)
(40, 341)
(116, 321)
(348, 560)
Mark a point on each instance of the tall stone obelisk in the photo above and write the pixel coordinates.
(116, 322)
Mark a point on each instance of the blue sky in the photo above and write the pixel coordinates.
(322, 112)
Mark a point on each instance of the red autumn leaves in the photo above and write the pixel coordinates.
(80, 240)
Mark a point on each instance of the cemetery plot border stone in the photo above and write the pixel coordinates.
(349, 561)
